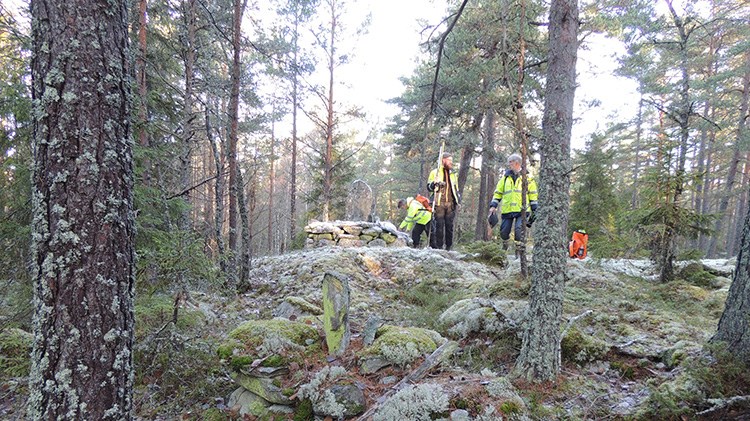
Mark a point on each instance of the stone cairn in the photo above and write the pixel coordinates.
(355, 234)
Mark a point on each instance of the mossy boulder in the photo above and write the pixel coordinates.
(477, 315)
(246, 402)
(388, 238)
(675, 355)
(694, 274)
(581, 348)
(295, 307)
(333, 393)
(15, 348)
(267, 339)
(674, 399)
(401, 345)
(268, 389)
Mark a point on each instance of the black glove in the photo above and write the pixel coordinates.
(492, 219)
(531, 220)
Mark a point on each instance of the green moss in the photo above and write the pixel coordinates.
(15, 348)
(694, 274)
(214, 414)
(402, 345)
(427, 299)
(226, 349)
(289, 391)
(581, 348)
(253, 332)
(241, 361)
(274, 361)
(304, 411)
(510, 407)
(625, 370)
(488, 252)
(304, 305)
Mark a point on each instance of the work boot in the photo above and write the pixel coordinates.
(506, 244)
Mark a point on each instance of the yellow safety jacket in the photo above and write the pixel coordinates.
(415, 214)
(508, 194)
(454, 186)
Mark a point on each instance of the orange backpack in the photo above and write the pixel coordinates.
(424, 201)
(578, 246)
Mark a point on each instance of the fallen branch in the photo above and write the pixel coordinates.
(573, 320)
(719, 404)
(433, 360)
(626, 344)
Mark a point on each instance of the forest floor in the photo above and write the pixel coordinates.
(635, 348)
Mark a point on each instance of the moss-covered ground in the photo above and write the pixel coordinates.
(636, 352)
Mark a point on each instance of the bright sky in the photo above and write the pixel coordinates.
(390, 48)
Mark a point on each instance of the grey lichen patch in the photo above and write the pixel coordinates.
(424, 402)
(323, 400)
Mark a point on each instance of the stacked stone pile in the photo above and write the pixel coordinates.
(355, 234)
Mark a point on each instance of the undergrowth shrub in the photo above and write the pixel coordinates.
(487, 252)
(720, 375)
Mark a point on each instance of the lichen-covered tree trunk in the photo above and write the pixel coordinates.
(486, 175)
(733, 164)
(234, 116)
(539, 359)
(82, 212)
(734, 325)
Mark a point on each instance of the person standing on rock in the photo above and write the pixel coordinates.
(417, 219)
(508, 195)
(443, 183)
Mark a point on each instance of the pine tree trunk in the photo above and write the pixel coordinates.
(742, 209)
(234, 104)
(539, 359)
(140, 65)
(295, 106)
(733, 164)
(328, 164)
(83, 225)
(188, 131)
(637, 150)
(734, 325)
(482, 229)
(271, 181)
(218, 194)
(245, 258)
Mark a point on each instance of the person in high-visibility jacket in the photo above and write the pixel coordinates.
(417, 219)
(508, 194)
(445, 200)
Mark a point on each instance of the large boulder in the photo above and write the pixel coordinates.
(480, 315)
(333, 394)
(399, 346)
(272, 342)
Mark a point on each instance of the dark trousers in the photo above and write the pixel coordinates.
(510, 221)
(443, 226)
(416, 233)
